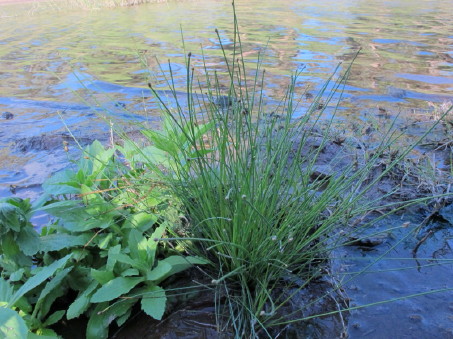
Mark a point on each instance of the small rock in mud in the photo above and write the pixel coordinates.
(321, 172)
(47, 142)
(365, 242)
(7, 115)
(416, 318)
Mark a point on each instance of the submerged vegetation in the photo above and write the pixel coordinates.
(256, 199)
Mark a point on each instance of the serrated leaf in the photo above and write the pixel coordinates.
(82, 302)
(54, 318)
(44, 274)
(59, 241)
(11, 324)
(154, 302)
(11, 218)
(115, 288)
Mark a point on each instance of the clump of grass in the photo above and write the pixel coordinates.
(258, 207)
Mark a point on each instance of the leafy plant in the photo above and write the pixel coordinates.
(102, 245)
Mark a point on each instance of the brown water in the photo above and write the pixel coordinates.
(79, 66)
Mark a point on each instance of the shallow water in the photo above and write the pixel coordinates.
(88, 68)
(82, 65)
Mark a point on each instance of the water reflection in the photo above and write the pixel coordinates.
(83, 63)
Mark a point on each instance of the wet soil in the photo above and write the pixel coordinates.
(396, 259)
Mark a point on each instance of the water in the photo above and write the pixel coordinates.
(88, 68)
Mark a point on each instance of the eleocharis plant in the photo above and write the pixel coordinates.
(259, 210)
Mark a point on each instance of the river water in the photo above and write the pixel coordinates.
(86, 68)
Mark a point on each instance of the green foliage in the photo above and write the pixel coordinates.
(258, 210)
(11, 324)
(108, 212)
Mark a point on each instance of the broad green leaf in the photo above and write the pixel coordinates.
(75, 217)
(161, 141)
(8, 245)
(121, 320)
(161, 271)
(180, 263)
(125, 259)
(63, 182)
(152, 243)
(130, 272)
(28, 241)
(137, 245)
(201, 130)
(104, 240)
(98, 156)
(17, 275)
(44, 274)
(102, 277)
(50, 286)
(6, 291)
(119, 309)
(54, 318)
(11, 218)
(59, 241)
(23, 305)
(103, 316)
(153, 155)
(97, 327)
(96, 205)
(82, 302)
(47, 334)
(23, 204)
(115, 288)
(153, 303)
(11, 324)
(140, 221)
(110, 260)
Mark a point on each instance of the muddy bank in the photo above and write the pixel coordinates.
(400, 273)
